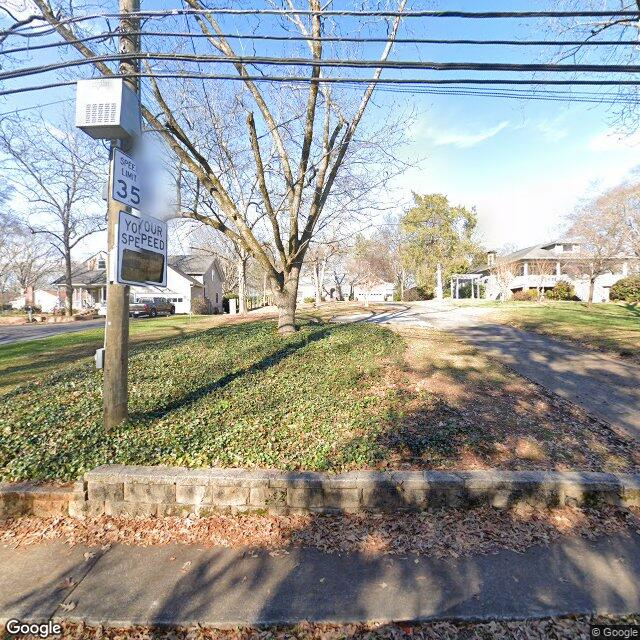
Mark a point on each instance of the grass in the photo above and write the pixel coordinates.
(24, 361)
(327, 398)
(236, 395)
(613, 328)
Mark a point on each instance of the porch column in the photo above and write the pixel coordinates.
(451, 284)
(525, 273)
(473, 293)
(558, 269)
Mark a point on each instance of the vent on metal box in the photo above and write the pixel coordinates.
(100, 113)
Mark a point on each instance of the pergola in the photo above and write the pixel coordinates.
(473, 278)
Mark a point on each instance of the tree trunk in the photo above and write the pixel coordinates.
(316, 281)
(68, 281)
(592, 286)
(242, 285)
(286, 299)
(402, 279)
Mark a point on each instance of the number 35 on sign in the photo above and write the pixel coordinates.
(126, 184)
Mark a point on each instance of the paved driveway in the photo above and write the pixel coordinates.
(605, 386)
(24, 332)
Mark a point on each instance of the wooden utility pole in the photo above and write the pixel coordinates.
(116, 340)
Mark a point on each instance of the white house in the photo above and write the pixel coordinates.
(542, 266)
(379, 292)
(45, 299)
(204, 270)
(203, 281)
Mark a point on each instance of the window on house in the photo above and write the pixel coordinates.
(567, 247)
(102, 263)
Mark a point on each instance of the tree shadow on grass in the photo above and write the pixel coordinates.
(263, 364)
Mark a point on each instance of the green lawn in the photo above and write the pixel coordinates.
(609, 327)
(236, 395)
(25, 361)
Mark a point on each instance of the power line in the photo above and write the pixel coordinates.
(482, 15)
(382, 81)
(306, 62)
(290, 38)
(35, 106)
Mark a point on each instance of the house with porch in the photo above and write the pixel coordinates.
(189, 278)
(541, 267)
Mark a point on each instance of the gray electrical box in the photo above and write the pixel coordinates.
(99, 358)
(107, 108)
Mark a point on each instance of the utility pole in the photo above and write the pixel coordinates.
(116, 339)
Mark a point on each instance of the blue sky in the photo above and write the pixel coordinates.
(524, 165)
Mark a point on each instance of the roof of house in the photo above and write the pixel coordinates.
(81, 276)
(542, 251)
(194, 264)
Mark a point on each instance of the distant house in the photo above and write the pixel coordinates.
(378, 292)
(189, 278)
(542, 266)
(44, 298)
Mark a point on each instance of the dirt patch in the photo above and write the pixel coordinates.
(446, 533)
(463, 410)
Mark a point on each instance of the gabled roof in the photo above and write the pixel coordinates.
(542, 251)
(195, 264)
(83, 276)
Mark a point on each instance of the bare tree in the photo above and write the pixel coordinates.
(541, 271)
(56, 171)
(317, 259)
(370, 265)
(9, 251)
(627, 112)
(603, 233)
(502, 271)
(296, 157)
(33, 262)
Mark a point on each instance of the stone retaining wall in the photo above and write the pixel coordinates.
(25, 499)
(150, 491)
(157, 491)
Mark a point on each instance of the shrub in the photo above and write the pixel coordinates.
(526, 295)
(199, 306)
(563, 290)
(417, 293)
(309, 299)
(34, 308)
(627, 289)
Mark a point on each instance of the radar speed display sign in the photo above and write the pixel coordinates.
(142, 250)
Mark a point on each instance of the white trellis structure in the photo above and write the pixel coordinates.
(458, 279)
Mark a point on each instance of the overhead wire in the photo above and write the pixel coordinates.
(328, 63)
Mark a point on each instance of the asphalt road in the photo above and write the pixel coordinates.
(10, 334)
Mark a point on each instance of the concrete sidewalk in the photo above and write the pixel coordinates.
(186, 585)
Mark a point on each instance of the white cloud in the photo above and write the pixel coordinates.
(20, 9)
(552, 130)
(463, 139)
(613, 140)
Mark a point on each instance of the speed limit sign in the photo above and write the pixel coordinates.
(126, 184)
